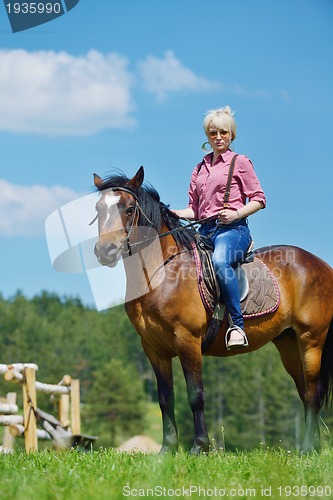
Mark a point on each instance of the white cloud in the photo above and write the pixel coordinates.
(56, 93)
(161, 76)
(24, 209)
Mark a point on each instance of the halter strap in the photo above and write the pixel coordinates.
(126, 190)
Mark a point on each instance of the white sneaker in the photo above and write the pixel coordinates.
(235, 338)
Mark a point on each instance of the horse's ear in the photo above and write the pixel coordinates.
(98, 181)
(137, 179)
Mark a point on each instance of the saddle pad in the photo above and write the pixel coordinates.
(263, 296)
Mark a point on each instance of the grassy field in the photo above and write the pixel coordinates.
(107, 474)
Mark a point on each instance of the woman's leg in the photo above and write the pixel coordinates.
(230, 246)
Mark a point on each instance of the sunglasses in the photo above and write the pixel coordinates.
(214, 133)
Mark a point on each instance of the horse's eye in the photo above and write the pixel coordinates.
(130, 211)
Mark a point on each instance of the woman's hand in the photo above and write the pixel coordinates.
(227, 216)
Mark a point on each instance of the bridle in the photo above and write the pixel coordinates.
(137, 210)
(125, 245)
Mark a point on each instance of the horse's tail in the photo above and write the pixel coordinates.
(326, 370)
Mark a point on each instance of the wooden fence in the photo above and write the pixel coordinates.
(64, 431)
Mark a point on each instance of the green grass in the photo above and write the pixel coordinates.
(106, 474)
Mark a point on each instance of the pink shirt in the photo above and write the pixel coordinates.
(207, 187)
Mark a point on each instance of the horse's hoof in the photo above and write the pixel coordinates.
(309, 449)
(197, 449)
(166, 448)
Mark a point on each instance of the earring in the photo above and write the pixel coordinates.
(204, 148)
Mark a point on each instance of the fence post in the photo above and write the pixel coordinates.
(63, 410)
(29, 410)
(75, 407)
(8, 439)
(64, 403)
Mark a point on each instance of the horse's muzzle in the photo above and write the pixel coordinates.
(107, 255)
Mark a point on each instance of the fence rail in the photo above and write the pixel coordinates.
(64, 431)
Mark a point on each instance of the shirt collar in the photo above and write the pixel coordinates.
(226, 156)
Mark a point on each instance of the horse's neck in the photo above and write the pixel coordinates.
(145, 268)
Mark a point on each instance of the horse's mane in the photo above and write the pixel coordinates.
(155, 210)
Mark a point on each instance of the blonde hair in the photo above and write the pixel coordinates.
(222, 119)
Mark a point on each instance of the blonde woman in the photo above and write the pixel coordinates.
(228, 230)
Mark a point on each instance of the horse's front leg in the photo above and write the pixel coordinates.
(163, 371)
(191, 360)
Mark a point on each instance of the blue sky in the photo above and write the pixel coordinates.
(124, 84)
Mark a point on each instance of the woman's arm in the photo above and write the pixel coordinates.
(228, 216)
(250, 208)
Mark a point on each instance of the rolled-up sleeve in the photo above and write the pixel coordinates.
(248, 180)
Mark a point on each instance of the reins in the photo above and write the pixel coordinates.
(172, 231)
(161, 235)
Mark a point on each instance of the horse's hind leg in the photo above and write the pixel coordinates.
(311, 359)
(303, 365)
(163, 371)
(191, 361)
(287, 345)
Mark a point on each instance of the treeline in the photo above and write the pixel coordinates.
(250, 399)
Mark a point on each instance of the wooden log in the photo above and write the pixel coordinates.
(75, 407)
(43, 415)
(18, 430)
(8, 439)
(52, 388)
(29, 410)
(14, 375)
(66, 380)
(17, 366)
(43, 435)
(8, 408)
(11, 419)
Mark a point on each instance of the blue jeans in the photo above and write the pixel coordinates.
(230, 245)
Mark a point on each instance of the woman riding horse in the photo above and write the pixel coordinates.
(220, 185)
(172, 320)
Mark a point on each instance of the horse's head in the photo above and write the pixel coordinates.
(118, 214)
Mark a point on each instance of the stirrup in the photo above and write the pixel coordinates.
(235, 344)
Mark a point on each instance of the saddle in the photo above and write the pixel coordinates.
(259, 293)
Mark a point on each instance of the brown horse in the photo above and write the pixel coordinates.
(172, 321)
